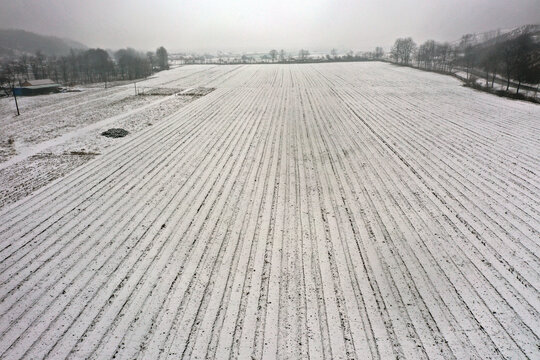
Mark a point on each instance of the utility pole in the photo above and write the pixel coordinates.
(15, 96)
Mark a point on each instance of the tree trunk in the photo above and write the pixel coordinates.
(519, 84)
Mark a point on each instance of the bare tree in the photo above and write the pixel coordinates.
(24, 64)
(526, 60)
(443, 54)
(421, 55)
(469, 59)
(38, 65)
(488, 60)
(8, 77)
(64, 69)
(273, 54)
(162, 58)
(303, 54)
(282, 55)
(133, 64)
(151, 58)
(403, 50)
(379, 52)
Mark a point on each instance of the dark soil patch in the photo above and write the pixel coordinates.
(115, 133)
(83, 153)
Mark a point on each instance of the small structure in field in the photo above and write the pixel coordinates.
(37, 87)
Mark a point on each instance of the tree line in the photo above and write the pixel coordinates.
(83, 66)
(304, 56)
(504, 60)
(281, 56)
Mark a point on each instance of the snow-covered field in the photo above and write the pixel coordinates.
(346, 210)
(57, 133)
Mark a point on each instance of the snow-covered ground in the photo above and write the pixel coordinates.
(341, 210)
(56, 133)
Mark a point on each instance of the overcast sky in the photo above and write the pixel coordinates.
(210, 25)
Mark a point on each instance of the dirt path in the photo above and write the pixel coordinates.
(329, 211)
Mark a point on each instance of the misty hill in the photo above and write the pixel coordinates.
(16, 42)
(496, 36)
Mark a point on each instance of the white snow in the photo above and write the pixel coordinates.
(345, 210)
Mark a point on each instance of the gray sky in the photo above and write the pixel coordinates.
(242, 25)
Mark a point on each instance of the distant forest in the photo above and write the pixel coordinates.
(83, 66)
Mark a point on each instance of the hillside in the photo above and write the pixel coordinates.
(490, 37)
(14, 42)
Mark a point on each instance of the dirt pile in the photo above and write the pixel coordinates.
(115, 133)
